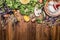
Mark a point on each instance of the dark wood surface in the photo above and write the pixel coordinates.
(0, 29)
(30, 31)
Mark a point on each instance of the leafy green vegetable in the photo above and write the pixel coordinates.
(15, 4)
(38, 20)
(1, 3)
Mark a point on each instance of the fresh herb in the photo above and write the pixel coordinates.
(25, 9)
(1, 3)
(38, 20)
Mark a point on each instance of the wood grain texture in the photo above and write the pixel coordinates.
(31, 31)
(9, 30)
(0, 29)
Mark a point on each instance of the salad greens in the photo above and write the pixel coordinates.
(38, 20)
(25, 9)
(1, 3)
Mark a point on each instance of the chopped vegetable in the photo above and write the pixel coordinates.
(37, 11)
(24, 1)
(38, 20)
(22, 5)
(1, 3)
(33, 20)
(40, 1)
(26, 18)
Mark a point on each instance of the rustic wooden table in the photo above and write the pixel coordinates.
(29, 31)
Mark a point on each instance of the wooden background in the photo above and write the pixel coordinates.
(29, 31)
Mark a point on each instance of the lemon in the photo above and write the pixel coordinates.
(24, 1)
(26, 18)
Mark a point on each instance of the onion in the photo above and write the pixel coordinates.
(37, 11)
(51, 7)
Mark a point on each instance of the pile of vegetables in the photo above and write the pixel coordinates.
(26, 7)
(1, 2)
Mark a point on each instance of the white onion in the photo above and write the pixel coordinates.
(50, 6)
(37, 12)
(51, 9)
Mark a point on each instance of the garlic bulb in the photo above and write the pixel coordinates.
(37, 11)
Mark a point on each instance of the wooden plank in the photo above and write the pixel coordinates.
(20, 28)
(38, 32)
(9, 30)
(45, 32)
(31, 31)
(53, 32)
(0, 29)
(58, 32)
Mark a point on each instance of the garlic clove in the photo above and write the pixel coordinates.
(37, 12)
(33, 20)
